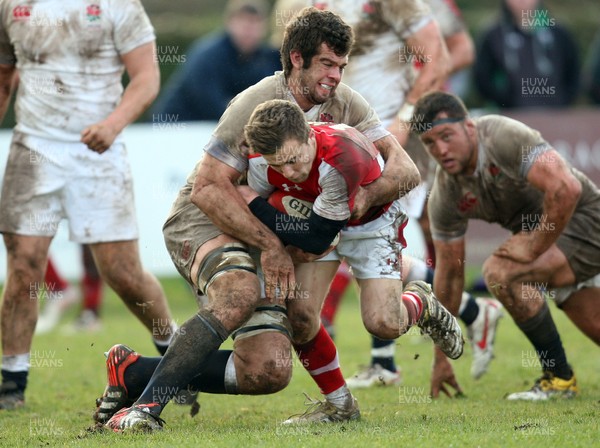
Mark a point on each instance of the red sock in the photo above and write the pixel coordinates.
(92, 293)
(319, 357)
(336, 291)
(414, 307)
(54, 282)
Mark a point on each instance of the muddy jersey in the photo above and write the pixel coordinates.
(347, 106)
(68, 54)
(345, 160)
(498, 190)
(381, 66)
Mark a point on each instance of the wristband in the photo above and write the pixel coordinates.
(406, 111)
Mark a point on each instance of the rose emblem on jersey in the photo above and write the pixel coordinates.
(326, 118)
(368, 9)
(467, 202)
(21, 12)
(93, 13)
(493, 170)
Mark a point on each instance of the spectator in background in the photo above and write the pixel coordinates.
(221, 66)
(592, 71)
(526, 59)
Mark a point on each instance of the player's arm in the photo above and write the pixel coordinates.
(215, 194)
(313, 235)
(330, 214)
(399, 176)
(550, 174)
(7, 82)
(142, 89)
(427, 43)
(461, 51)
(449, 279)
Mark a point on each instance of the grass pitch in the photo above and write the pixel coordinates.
(68, 373)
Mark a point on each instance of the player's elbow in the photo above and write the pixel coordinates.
(574, 189)
(568, 193)
(411, 178)
(200, 192)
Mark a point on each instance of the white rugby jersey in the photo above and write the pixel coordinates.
(381, 67)
(68, 57)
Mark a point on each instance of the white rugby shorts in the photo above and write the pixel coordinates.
(47, 181)
(373, 250)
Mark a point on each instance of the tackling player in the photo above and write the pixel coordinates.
(210, 228)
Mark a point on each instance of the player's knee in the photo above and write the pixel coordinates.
(494, 274)
(25, 272)
(268, 372)
(305, 324)
(124, 281)
(382, 326)
(235, 294)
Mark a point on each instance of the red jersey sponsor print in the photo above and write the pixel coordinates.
(350, 153)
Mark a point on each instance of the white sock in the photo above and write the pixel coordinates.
(384, 352)
(166, 342)
(15, 363)
(417, 271)
(339, 398)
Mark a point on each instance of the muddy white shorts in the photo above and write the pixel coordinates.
(47, 181)
(373, 250)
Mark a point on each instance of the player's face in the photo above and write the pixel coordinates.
(294, 159)
(453, 146)
(318, 82)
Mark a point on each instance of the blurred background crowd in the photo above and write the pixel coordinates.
(208, 51)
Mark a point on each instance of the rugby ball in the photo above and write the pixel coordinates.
(291, 205)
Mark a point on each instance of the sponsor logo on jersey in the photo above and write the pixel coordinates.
(287, 187)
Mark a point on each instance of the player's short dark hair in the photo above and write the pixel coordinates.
(308, 29)
(272, 123)
(432, 104)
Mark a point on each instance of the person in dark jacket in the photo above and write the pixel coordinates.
(221, 66)
(526, 59)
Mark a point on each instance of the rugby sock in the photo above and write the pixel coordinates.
(92, 293)
(54, 282)
(336, 291)
(16, 368)
(163, 345)
(414, 307)
(469, 309)
(542, 333)
(382, 353)
(92, 283)
(213, 380)
(186, 358)
(320, 358)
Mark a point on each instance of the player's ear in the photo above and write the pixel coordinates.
(470, 127)
(297, 59)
